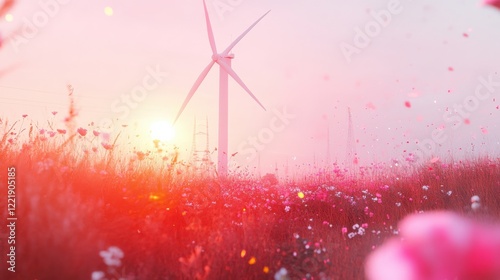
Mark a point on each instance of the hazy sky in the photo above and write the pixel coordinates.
(429, 73)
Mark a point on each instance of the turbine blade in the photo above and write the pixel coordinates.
(194, 88)
(209, 29)
(228, 49)
(233, 74)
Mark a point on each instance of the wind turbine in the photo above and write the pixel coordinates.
(224, 61)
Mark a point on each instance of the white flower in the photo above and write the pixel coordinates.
(282, 274)
(113, 256)
(425, 187)
(475, 206)
(475, 199)
(98, 275)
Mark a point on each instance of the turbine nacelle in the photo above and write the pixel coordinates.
(220, 56)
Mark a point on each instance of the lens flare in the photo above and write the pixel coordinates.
(162, 131)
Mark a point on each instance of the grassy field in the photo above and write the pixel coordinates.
(76, 197)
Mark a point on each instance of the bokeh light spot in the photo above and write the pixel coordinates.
(108, 11)
(9, 17)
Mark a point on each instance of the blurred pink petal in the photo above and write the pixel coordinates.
(439, 245)
(494, 3)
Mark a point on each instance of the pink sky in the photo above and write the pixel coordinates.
(292, 59)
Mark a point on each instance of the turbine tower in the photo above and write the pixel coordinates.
(224, 61)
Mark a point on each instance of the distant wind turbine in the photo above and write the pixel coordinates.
(224, 61)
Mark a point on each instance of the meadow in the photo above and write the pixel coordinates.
(88, 211)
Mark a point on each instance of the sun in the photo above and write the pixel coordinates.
(162, 131)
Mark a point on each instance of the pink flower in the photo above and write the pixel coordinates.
(82, 131)
(96, 133)
(24, 116)
(61, 131)
(105, 136)
(107, 146)
(438, 245)
(51, 133)
(54, 113)
(42, 131)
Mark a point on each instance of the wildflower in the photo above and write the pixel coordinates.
(105, 136)
(140, 155)
(42, 131)
(287, 208)
(98, 275)
(82, 131)
(475, 206)
(61, 131)
(113, 256)
(281, 274)
(300, 195)
(51, 133)
(107, 146)
(425, 187)
(54, 113)
(24, 116)
(476, 203)
(96, 133)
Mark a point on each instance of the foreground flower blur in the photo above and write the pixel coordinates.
(437, 246)
(494, 3)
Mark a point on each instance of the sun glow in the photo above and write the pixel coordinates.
(162, 130)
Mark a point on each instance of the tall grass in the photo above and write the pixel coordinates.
(76, 197)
